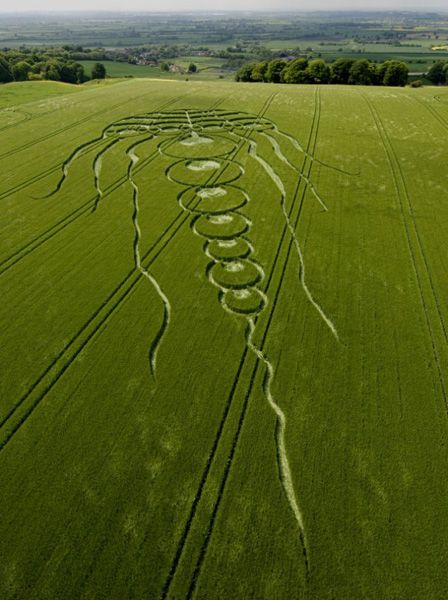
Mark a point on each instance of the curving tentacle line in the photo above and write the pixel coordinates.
(217, 208)
(97, 167)
(296, 144)
(278, 152)
(69, 160)
(279, 184)
(155, 345)
(285, 474)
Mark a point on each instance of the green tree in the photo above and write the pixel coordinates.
(295, 72)
(396, 73)
(259, 71)
(340, 70)
(72, 72)
(318, 71)
(5, 70)
(192, 68)
(445, 71)
(274, 72)
(52, 70)
(245, 72)
(98, 71)
(436, 73)
(164, 66)
(362, 72)
(20, 70)
(380, 72)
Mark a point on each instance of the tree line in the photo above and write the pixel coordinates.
(345, 71)
(438, 73)
(16, 66)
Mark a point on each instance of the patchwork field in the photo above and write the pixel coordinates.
(224, 357)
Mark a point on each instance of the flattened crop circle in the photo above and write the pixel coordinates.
(213, 200)
(236, 275)
(200, 171)
(198, 146)
(226, 250)
(244, 302)
(221, 227)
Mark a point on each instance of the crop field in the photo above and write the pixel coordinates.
(224, 343)
(207, 67)
(419, 55)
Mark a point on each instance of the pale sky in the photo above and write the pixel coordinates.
(216, 5)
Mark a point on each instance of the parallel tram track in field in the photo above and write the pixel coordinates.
(59, 365)
(229, 403)
(433, 111)
(403, 197)
(310, 148)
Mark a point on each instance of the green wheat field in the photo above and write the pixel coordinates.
(224, 342)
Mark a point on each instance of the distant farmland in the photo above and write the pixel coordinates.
(207, 68)
(224, 357)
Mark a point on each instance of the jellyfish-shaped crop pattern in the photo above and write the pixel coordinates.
(202, 147)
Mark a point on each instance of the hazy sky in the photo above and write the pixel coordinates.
(151, 5)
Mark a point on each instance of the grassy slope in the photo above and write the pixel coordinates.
(101, 481)
(19, 93)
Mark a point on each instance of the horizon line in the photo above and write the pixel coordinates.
(223, 11)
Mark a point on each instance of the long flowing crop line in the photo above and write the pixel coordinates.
(46, 235)
(19, 187)
(97, 167)
(70, 219)
(313, 135)
(285, 473)
(56, 369)
(89, 117)
(279, 154)
(298, 146)
(197, 498)
(40, 388)
(68, 162)
(279, 184)
(155, 345)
